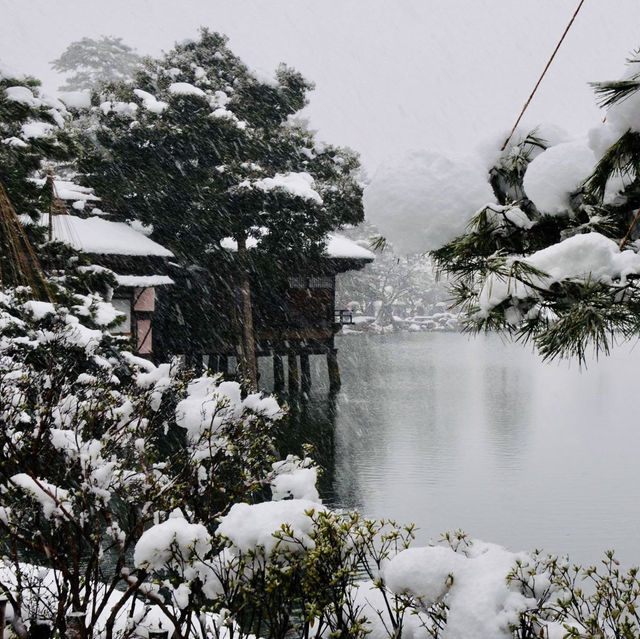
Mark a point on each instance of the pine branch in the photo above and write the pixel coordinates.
(613, 92)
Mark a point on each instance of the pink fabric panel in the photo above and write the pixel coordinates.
(145, 299)
(143, 327)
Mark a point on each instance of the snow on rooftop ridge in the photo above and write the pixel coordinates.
(143, 281)
(103, 237)
(69, 191)
(339, 246)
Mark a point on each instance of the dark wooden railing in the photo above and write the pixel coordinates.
(342, 316)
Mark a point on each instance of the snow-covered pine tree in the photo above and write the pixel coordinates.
(91, 62)
(31, 132)
(555, 260)
(31, 135)
(202, 149)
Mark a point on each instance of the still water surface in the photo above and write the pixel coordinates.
(454, 432)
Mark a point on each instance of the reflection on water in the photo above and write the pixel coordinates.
(451, 432)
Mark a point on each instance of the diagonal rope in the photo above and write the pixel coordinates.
(22, 265)
(553, 55)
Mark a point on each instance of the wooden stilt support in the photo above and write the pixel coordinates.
(334, 370)
(278, 373)
(223, 365)
(294, 377)
(305, 372)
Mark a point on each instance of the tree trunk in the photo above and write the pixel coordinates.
(249, 361)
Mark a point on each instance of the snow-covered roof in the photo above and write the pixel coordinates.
(338, 247)
(102, 237)
(143, 281)
(69, 191)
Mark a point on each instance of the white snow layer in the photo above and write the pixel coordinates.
(590, 256)
(36, 129)
(249, 526)
(24, 95)
(76, 99)
(425, 199)
(295, 479)
(95, 235)
(556, 173)
(339, 246)
(480, 602)
(210, 403)
(296, 184)
(150, 102)
(69, 191)
(143, 281)
(52, 498)
(184, 88)
(176, 536)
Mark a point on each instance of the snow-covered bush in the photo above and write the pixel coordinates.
(97, 445)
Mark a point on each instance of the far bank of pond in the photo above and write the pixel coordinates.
(450, 431)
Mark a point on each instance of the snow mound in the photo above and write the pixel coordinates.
(590, 256)
(150, 102)
(296, 184)
(425, 199)
(481, 604)
(557, 173)
(250, 526)
(184, 88)
(176, 536)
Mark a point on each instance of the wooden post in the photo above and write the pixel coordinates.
(305, 370)
(75, 625)
(223, 365)
(294, 381)
(334, 370)
(278, 373)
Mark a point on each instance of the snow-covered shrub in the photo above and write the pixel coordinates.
(570, 601)
(97, 445)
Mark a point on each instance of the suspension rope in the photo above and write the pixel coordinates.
(553, 55)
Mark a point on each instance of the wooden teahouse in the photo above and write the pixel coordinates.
(296, 317)
(140, 264)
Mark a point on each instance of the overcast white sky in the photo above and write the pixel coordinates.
(390, 74)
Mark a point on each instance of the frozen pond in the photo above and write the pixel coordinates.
(453, 432)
